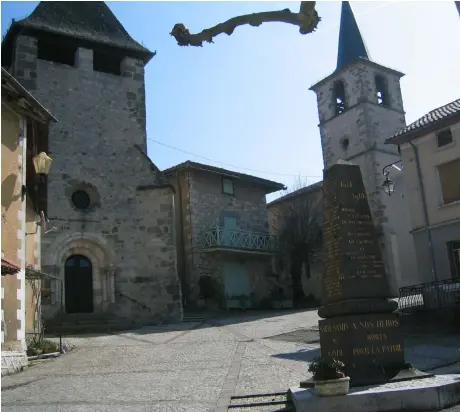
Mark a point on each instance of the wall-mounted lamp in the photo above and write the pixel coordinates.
(388, 184)
(42, 163)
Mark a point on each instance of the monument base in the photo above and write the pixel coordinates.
(431, 394)
(371, 346)
(406, 374)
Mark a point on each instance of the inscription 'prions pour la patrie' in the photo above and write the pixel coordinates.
(350, 240)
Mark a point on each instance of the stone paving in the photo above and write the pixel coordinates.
(186, 367)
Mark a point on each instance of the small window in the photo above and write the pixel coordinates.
(339, 97)
(450, 183)
(106, 63)
(444, 138)
(57, 53)
(227, 186)
(381, 90)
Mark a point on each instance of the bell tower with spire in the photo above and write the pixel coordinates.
(359, 106)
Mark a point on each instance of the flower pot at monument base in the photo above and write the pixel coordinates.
(333, 387)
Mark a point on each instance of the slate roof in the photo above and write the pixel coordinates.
(432, 119)
(351, 43)
(273, 186)
(296, 193)
(92, 21)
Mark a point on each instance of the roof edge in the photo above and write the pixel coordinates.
(299, 192)
(224, 172)
(28, 96)
(422, 131)
(357, 61)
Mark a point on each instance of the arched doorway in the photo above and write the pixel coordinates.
(78, 285)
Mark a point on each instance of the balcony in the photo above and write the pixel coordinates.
(220, 239)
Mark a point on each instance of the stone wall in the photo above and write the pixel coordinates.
(203, 207)
(99, 146)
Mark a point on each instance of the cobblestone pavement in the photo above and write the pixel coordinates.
(191, 367)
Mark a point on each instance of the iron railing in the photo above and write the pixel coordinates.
(220, 237)
(428, 296)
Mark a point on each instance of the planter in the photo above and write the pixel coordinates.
(333, 387)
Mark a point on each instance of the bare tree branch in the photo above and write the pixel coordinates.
(307, 20)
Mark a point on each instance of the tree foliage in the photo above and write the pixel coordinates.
(306, 19)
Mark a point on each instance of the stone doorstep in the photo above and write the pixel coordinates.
(430, 394)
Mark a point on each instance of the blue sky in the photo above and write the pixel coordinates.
(244, 100)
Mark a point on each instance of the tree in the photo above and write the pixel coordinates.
(307, 19)
(298, 223)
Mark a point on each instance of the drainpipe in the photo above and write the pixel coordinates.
(425, 211)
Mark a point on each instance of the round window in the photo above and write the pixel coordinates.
(81, 199)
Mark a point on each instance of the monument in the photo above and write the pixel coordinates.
(359, 326)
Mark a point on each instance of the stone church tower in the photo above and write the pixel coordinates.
(110, 208)
(360, 105)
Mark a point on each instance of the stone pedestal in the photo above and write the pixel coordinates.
(360, 327)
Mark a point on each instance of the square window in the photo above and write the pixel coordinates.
(444, 138)
(450, 184)
(227, 186)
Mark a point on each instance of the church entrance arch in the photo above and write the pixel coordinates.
(78, 272)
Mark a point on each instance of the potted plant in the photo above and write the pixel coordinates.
(329, 377)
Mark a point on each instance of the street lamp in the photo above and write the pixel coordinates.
(388, 184)
(42, 164)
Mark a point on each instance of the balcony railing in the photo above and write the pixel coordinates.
(220, 238)
(428, 296)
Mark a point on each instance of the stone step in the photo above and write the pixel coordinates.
(90, 328)
(268, 402)
(70, 322)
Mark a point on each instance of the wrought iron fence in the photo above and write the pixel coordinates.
(238, 239)
(428, 296)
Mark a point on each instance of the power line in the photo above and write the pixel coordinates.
(228, 164)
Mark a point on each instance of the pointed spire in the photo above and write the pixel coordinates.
(351, 44)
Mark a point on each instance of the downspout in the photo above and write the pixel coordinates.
(425, 211)
(182, 240)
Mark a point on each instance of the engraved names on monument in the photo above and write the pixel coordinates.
(354, 267)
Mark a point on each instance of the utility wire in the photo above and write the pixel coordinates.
(228, 164)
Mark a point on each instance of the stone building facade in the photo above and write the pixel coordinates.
(222, 232)
(113, 242)
(24, 133)
(359, 106)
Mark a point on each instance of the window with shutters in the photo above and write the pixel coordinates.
(450, 183)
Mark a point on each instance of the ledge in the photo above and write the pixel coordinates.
(430, 394)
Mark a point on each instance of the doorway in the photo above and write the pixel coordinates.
(78, 285)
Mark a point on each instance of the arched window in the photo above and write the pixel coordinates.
(339, 97)
(381, 88)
